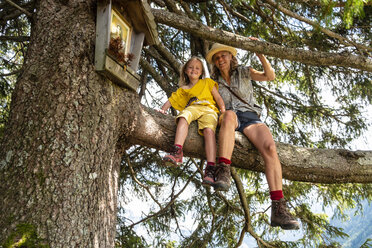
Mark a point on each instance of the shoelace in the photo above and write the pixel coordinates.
(209, 171)
(282, 209)
(224, 170)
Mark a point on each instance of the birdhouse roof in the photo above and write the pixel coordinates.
(138, 12)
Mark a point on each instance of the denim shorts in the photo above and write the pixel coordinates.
(246, 119)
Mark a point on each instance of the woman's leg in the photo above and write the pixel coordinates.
(260, 135)
(210, 144)
(226, 135)
(182, 131)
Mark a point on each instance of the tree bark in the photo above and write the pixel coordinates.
(304, 56)
(299, 163)
(61, 152)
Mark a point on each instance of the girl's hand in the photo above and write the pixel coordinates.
(161, 111)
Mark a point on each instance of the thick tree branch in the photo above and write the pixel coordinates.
(307, 57)
(299, 164)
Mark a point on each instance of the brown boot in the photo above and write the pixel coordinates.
(280, 216)
(223, 176)
(174, 158)
(209, 175)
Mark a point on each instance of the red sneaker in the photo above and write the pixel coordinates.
(174, 158)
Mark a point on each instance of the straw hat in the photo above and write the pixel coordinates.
(218, 48)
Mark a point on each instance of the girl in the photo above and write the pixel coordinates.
(196, 100)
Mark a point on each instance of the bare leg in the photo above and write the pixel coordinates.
(226, 135)
(182, 131)
(260, 136)
(210, 144)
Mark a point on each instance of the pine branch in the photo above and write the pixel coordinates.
(26, 12)
(15, 38)
(172, 60)
(245, 206)
(343, 40)
(164, 85)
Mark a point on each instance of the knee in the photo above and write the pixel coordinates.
(208, 132)
(228, 118)
(270, 149)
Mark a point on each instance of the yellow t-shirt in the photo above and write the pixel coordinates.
(202, 90)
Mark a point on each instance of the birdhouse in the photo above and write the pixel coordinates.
(123, 28)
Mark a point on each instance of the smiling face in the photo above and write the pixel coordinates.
(222, 60)
(194, 70)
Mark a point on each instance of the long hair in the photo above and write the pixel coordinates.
(184, 79)
(233, 65)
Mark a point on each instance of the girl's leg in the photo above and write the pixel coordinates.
(210, 144)
(260, 135)
(182, 131)
(175, 157)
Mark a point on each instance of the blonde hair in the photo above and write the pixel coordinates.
(233, 65)
(184, 79)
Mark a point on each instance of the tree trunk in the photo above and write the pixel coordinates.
(307, 57)
(60, 155)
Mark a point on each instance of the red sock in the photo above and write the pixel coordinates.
(178, 146)
(224, 160)
(211, 163)
(276, 195)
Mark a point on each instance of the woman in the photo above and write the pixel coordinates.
(242, 114)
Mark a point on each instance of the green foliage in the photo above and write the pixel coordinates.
(367, 244)
(353, 8)
(24, 235)
(11, 60)
(128, 238)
